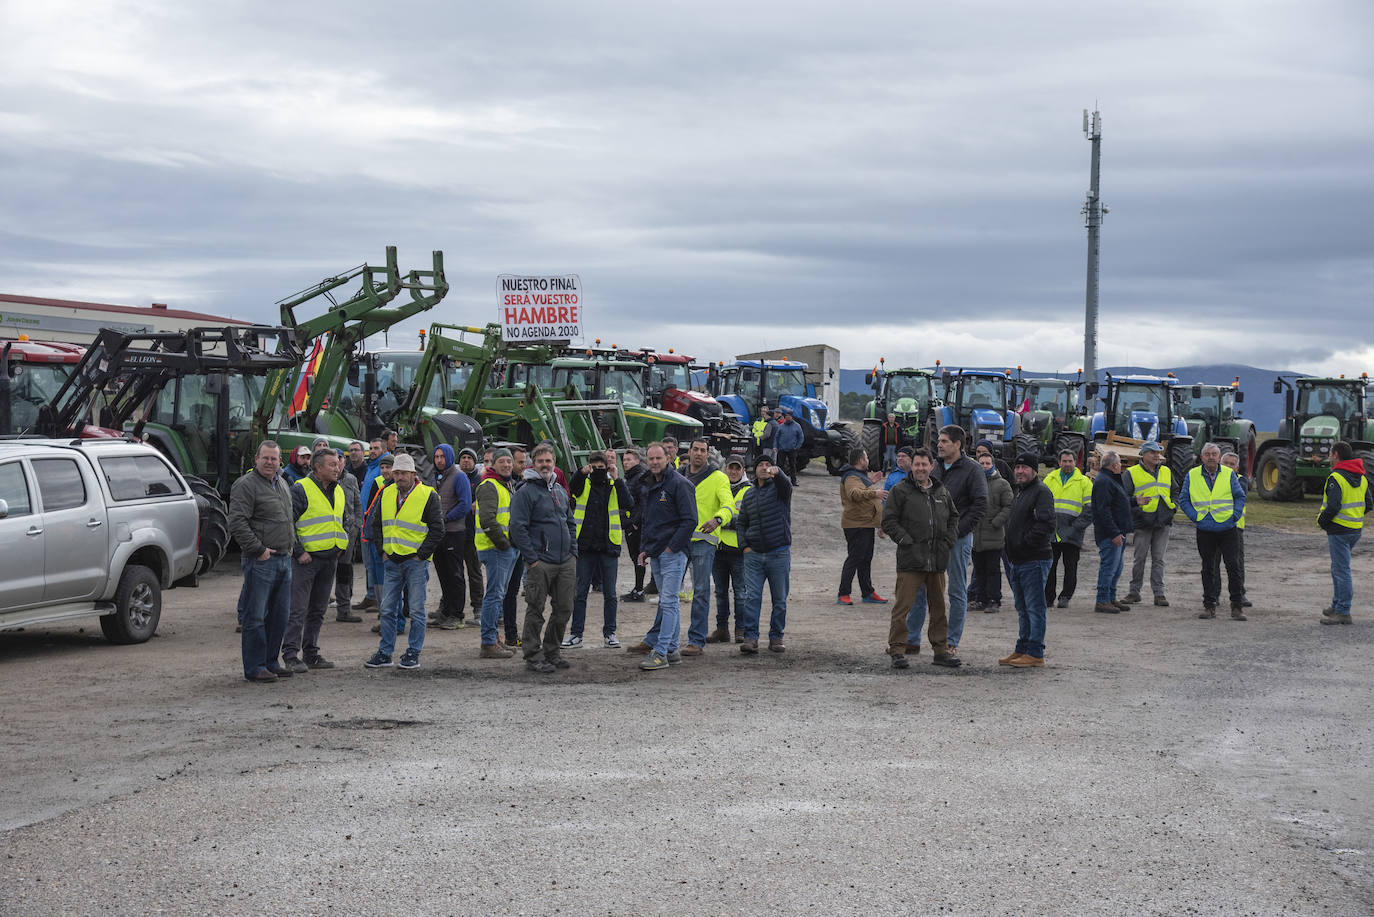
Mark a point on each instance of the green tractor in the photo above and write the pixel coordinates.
(1053, 418)
(906, 393)
(1317, 413)
(1210, 413)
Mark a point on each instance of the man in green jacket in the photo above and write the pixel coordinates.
(922, 522)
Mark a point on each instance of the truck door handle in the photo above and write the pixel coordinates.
(35, 530)
(93, 523)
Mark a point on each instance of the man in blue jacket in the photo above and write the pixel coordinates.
(1213, 498)
(764, 527)
(669, 518)
(787, 440)
(1111, 512)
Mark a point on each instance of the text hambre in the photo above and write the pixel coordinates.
(541, 309)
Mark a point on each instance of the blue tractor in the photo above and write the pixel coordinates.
(743, 387)
(1148, 409)
(982, 401)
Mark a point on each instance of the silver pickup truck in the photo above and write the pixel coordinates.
(92, 527)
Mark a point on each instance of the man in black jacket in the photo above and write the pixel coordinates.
(968, 488)
(635, 470)
(764, 527)
(1029, 530)
(601, 509)
(1111, 524)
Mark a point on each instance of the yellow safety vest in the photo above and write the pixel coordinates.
(404, 530)
(580, 510)
(1351, 513)
(481, 541)
(729, 536)
(1215, 501)
(1072, 495)
(759, 427)
(321, 526)
(1156, 488)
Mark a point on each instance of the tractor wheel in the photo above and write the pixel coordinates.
(1276, 478)
(932, 432)
(1025, 442)
(833, 462)
(1179, 457)
(1247, 457)
(1076, 444)
(214, 523)
(1367, 456)
(871, 440)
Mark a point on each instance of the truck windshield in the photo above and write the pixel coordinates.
(917, 387)
(31, 389)
(1337, 400)
(786, 382)
(982, 392)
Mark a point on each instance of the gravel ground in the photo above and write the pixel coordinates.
(1158, 765)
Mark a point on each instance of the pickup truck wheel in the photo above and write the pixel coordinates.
(138, 607)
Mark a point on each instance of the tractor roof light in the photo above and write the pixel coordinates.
(670, 350)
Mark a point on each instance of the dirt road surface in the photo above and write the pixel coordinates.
(1158, 765)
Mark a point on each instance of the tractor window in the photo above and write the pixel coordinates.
(395, 376)
(623, 385)
(899, 387)
(30, 390)
(1337, 400)
(1046, 397)
(581, 380)
(1153, 399)
(1228, 405)
(981, 392)
(747, 385)
(786, 382)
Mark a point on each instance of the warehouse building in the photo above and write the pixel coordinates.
(79, 322)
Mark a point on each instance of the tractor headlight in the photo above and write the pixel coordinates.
(815, 418)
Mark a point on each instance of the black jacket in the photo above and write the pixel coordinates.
(968, 488)
(1031, 523)
(1326, 518)
(596, 529)
(764, 520)
(1111, 509)
(634, 482)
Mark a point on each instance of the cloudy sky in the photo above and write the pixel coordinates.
(893, 178)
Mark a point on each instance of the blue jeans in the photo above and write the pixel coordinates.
(728, 570)
(405, 582)
(1028, 589)
(703, 559)
(958, 594)
(667, 570)
(587, 563)
(376, 567)
(1111, 557)
(1343, 587)
(266, 606)
(775, 566)
(498, 565)
(889, 457)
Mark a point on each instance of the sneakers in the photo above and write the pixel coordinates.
(379, 660)
(692, 649)
(295, 665)
(776, 646)
(874, 599)
(719, 635)
(410, 660)
(1161, 601)
(572, 640)
(1238, 612)
(452, 624)
(1245, 602)
(900, 662)
(977, 606)
(1106, 608)
(990, 608)
(674, 658)
(948, 660)
(1007, 660)
(749, 647)
(540, 666)
(494, 651)
(1132, 598)
(1027, 662)
(634, 595)
(613, 641)
(844, 600)
(653, 663)
(318, 662)
(640, 648)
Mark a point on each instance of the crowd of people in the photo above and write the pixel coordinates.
(513, 524)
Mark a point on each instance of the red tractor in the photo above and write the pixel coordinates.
(670, 389)
(31, 373)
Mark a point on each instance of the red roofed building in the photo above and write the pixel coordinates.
(79, 322)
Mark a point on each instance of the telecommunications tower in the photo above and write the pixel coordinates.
(1092, 218)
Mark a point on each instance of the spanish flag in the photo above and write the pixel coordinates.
(302, 395)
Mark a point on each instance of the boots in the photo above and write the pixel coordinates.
(719, 635)
(1238, 612)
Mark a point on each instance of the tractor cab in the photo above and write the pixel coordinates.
(1210, 415)
(980, 401)
(31, 374)
(1141, 407)
(1046, 404)
(1332, 404)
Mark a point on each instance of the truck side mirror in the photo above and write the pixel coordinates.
(1278, 387)
(1090, 389)
(1197, 391)
(1240, 397)
(353, 374)
(868, 378)
(4, 510)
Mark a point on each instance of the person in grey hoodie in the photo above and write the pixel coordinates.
(543, 530)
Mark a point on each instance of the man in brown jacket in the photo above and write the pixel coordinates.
(861, 502)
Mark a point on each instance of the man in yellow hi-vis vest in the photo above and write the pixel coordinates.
(1150, 487)
(491, 503)
(1212, 497)
(408, 524)
(1346, 501)
(318, 505)
(602, 505)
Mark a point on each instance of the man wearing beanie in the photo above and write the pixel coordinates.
(1029, 530)
(455, 500)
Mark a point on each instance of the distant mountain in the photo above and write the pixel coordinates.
(1261, 404)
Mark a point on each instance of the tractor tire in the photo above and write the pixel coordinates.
(1075, 443)
(214, 523)
(833, 462)
(1247, 456)
(1178, 455)
(1367, 455)
(1276, 478)
(138, 607)
(932, 432)
(1025, 442)
(871, 440)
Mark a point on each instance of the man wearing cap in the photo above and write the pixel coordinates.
(300, 465)
(728, 567)
(1029, 530)
(1073, 512)
(670, 517)
(492, 500)
(409, 525)
(467, 463)
(455, 501)
(544, 531)
(318, 506)
(715, 507)
(1213, 499)
(1150, 489)
(895, 476)
(788, 439)
(602, 504)
(764, 526)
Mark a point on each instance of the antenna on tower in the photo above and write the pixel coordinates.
(1092, 218)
